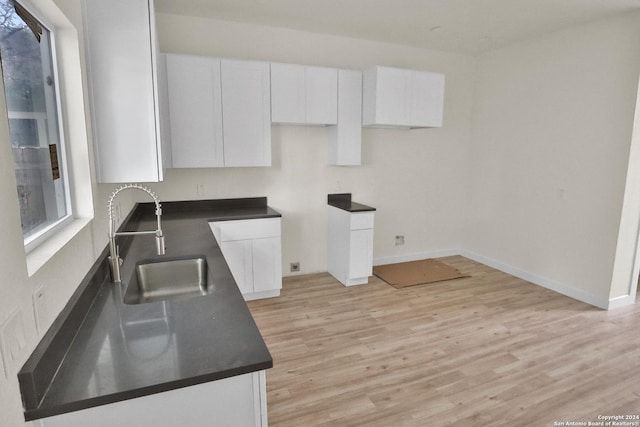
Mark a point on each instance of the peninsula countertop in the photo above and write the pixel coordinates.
(109, 351)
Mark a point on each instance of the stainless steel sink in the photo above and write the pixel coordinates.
(158, 280)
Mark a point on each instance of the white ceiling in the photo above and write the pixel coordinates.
(466, 26)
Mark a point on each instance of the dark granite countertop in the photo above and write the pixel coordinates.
(343, 201)
(100, 350)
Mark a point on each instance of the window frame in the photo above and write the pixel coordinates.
(35, 238)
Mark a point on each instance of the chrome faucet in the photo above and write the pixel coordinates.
(114, 253)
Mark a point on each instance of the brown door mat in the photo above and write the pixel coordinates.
(412, 273)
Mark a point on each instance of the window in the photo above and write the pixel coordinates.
(30, 85)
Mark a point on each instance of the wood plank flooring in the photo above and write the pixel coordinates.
(489, 350)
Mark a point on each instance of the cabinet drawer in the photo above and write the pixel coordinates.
(360, 221)
(226, 231)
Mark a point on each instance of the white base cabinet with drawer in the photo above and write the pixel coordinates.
(350, 246)
(239, 401)
(253, 251)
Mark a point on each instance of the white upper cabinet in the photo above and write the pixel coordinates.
(219, 112)
(394, 97)
(345, 138)
(246, 113)
(122, 65)
(303, 94)
(321, 86)
(195, 110)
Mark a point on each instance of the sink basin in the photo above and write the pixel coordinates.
(165, 279)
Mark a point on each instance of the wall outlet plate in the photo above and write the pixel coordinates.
(399, 240)
(40, 309)
(295, 267)
(13, 342)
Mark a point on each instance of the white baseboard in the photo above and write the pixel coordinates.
(621, 301)
(563, 289)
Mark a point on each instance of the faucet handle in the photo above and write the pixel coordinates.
(160, 244)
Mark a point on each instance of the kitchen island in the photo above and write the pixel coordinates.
(168, 358)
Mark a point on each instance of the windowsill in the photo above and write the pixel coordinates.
(47, 249)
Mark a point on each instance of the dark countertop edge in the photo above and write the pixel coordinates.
(343, 201)
(42, 365)
(34, 414)
(272, 214)
(189, 205)
(40, 368)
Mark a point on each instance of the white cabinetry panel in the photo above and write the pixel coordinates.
(402, 98)
(322, 95)
(345, 139)
(237, 253)
(253, 251)
(287, 93)
(246, 113)
(350, 245)
(303, 94)
(361, 253)
(267, 264)
(122, 72)
(219, 112)
(195, 102)
(234, 401)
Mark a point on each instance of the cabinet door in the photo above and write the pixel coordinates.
(345, 139)
(426, 99)
(246, 113)
(120, 49)
(360, 253)
(235, 401)
(321, 88)
(385, 97)
(238, 256)
(267, 264)
(287, 93)
(195, 102)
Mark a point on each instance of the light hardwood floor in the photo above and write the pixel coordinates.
(489, 350)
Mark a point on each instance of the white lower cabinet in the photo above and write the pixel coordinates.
(350, 246)
(253, 251)
(239, 401)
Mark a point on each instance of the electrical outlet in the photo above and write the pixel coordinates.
(399, 240)
(295, 266)
(13, 342)
(201, 189)
(40, 309)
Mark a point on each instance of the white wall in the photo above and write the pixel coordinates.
(416, 179)
(551, 135)
(61, 275)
